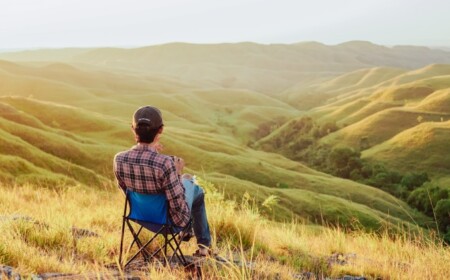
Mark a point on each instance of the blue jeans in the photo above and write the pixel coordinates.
(195, 198)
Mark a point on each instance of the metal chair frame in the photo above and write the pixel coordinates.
(169, 231)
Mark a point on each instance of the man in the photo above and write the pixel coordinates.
(143, 169)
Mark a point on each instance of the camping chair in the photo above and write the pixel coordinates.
(151, 212)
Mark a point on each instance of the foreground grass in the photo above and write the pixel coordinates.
(261, 249)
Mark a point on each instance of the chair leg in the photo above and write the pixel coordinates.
(121, 242)
(142, 248)
(177, 250)
(137, 241)
(165, 244)
(170, 235)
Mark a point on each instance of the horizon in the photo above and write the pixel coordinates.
(27, 24)
(6, 50)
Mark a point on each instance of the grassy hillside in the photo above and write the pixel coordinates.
(403, 90)
(118, 95)
(382, 126)
(379, 111)
(61, 122)
(438, 101)
(54, 141)
(426, 142)
(308, 96)
(265, 68)
(37, 239)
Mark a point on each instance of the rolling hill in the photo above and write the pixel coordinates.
(36, 149)
(64, 123)
(378, 111)
(268, 69)
(421, 147)
(65, 113)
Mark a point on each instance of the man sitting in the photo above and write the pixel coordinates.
(144, 169)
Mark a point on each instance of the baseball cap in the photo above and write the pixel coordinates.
(148, 115)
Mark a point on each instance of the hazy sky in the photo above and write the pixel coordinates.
(75, 23)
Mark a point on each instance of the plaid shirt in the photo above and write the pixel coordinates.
(142, 169)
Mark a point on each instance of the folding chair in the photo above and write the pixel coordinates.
(150, 212)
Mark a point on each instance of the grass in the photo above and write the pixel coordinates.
(404, 90)
(425, 141)
(381, 126)
(61, 124)
(240, 232)
(439, 101)
(81, 152)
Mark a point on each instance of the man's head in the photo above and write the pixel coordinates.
(147, 123)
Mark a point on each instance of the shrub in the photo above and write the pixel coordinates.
(427, 197)
(414, 180)
(442, 212)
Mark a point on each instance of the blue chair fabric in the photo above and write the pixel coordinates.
(150, 212)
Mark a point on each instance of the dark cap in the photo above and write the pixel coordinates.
(148, 115)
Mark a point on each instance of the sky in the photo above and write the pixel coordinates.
(132, 23)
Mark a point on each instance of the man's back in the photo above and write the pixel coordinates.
(142, 169)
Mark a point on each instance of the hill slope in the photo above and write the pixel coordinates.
(369, 109)
(426, 142)
(69, 120)
(265, 68)
(55, 143)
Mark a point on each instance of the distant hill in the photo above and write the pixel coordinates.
(265, 68)
(379, 111)
(423, 147)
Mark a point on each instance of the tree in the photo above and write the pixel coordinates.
(414, 180)
(427, 197)
(343, 161)
(442, 212)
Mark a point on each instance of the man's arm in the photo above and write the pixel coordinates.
(119, 175)
(174, 190)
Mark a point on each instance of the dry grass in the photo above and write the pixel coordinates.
(255, 247)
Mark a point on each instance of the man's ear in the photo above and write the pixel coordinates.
(161, 129)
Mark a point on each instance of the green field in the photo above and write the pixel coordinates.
(64, 114)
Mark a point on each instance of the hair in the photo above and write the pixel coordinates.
(145, 134)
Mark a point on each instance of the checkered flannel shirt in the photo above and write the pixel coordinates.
(142, 169)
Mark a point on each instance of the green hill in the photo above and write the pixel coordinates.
(371, 115)
(439, 101)
(420, 148)
(53, 143)
(67, 119)
(236, 113)
(310, 95)
(264, 68)
(406, 89)
(119, 95)
(382, 126)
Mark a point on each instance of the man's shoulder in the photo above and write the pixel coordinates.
(164, 160)
(121, 154)
(146, 155)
